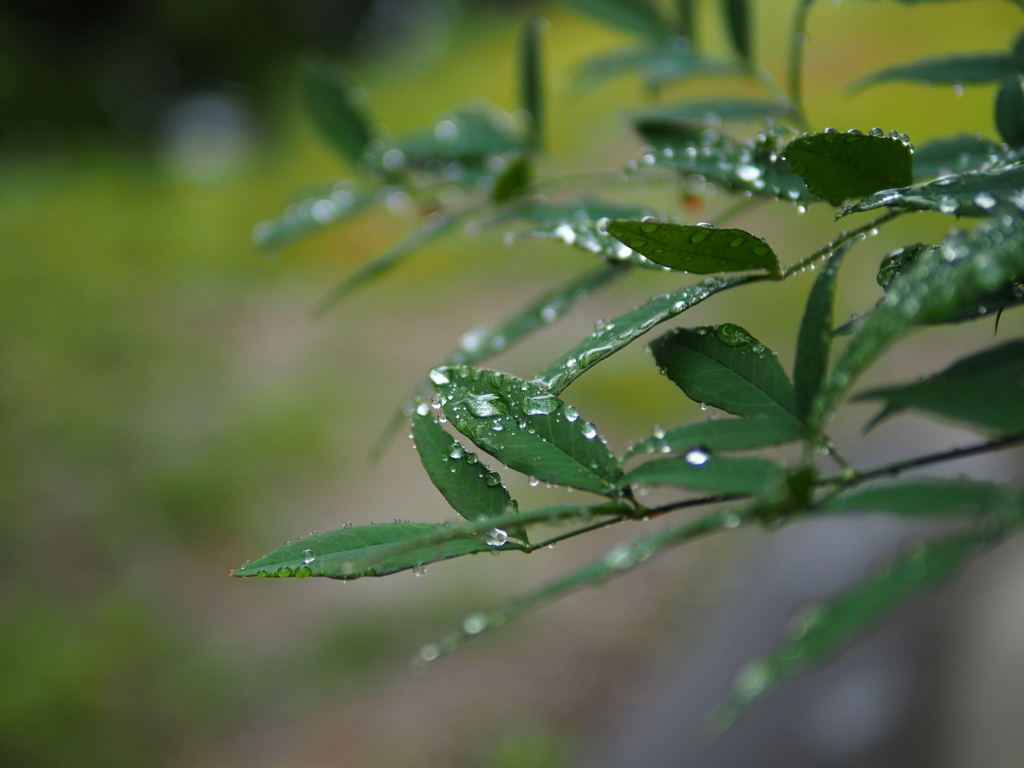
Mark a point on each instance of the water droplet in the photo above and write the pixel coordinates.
(541, 405)
(496, 537)
(446, 131)
(419, 570)
(393, 159)
(697, 456)
(429, 652)
(589, 431)
(456, 451)
(439, 378)
(958, 89)
(985, 201)
(492, 479)
(308, 556)
(474, 624)
(733, 335)
(948, 204)
(619, 557)
(658, 433)
(534, 482)
(422, 408)
(748, 172)
(570, 413)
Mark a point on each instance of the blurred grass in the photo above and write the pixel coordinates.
(169, 407)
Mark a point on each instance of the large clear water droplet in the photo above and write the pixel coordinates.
(308, 556)
(496, 538)
(697, 456)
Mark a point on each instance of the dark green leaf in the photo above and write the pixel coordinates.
(969, 267)
(837, 166)
(658, 65)
(336, 110)
(1010, 111)
(585, 209)
(986, 389)
(919, 497)
(714, 111)
(369, 550)
(531, 78)
(527, 428)
(701, 470)
(314, 212)
(722, 435)
(956, 69)
(975, 193)
(624, 329)
(815, 340)
(945, 157)
(593, 237)
(473, 490)
(630, 15)
(513, 180)
(737, 17)
(899, 261)
(725, 367)
(823, 630)
(700, 249)
(754, 166)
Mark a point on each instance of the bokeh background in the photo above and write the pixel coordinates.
(170, 407)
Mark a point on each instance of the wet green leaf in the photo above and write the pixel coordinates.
(626, 328)
(531, 78)
(974, 193)
(986, 389)
(638, 16)
(825, 629)
(754, 166)
(945, 157)
(737, 17)
(837, 166)
(367, 550)
(473, 490)
(814, 342)
(968, 268)
(714, 111)
(513, 180)
(899, 261)
(1010, 110)
(528, 428)
(700, 249)
(313, 212)
(337, 111)
(700, 470)
(658, 65)
(919, 497)
(723, 435)
(956, 69)
(725, 367)
(592, 237)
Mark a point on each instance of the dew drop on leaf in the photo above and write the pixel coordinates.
(308, 556)
(697, 456)
(496, 538)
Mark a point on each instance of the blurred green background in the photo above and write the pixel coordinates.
(170, 407)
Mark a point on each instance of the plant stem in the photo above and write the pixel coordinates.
(570, 534)
(840, 241)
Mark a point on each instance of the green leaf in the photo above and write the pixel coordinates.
(433, 228)
(722, 435)
(956, 69)
(946, 157)
(737, 17)
(754, 166)
(513, 180)
(592, 237)
(815, 340)
(969, 267)
(986, 389)
(336, 110)
(584, 209)
(528, 428)
(635, 16)
(658, 65)
(823, 630)
(313, 212)
(531, 79)
(714, 111)
(700, 249)
(725, 367)
(1010, 111)
(919, 497)
(473, 490)
(837, 166)
(626, 328)
(975, 193)
(899, 261)
(701, 470)
(368, 550)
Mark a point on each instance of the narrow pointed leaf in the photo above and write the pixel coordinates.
(974, 193)
(725, 367)
(627, 328)
(920, 497)
(531, 78)
(636, 16)
(754, 166)
(584, 209)
(956, 69)
(969, 267)
(314, 212)
(695, 248)
(737, 17)
(473, 490)
(658, 66)
(592, 237)
(716, 111)
(1010, 110)
(513, 180)
(701, 470)
(387, 260)
(367, 550)
(825, 629)
(618, 561)
(985, 389)
(723, 435)
(837, 166)
(336, 110)
(528, 428)
(900, 261)
(946, 157)
(815, 340)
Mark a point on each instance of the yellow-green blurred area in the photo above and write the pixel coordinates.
(170, 407)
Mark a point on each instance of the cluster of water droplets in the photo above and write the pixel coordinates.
(311, 213)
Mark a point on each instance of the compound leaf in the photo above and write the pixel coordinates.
(696, 248)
